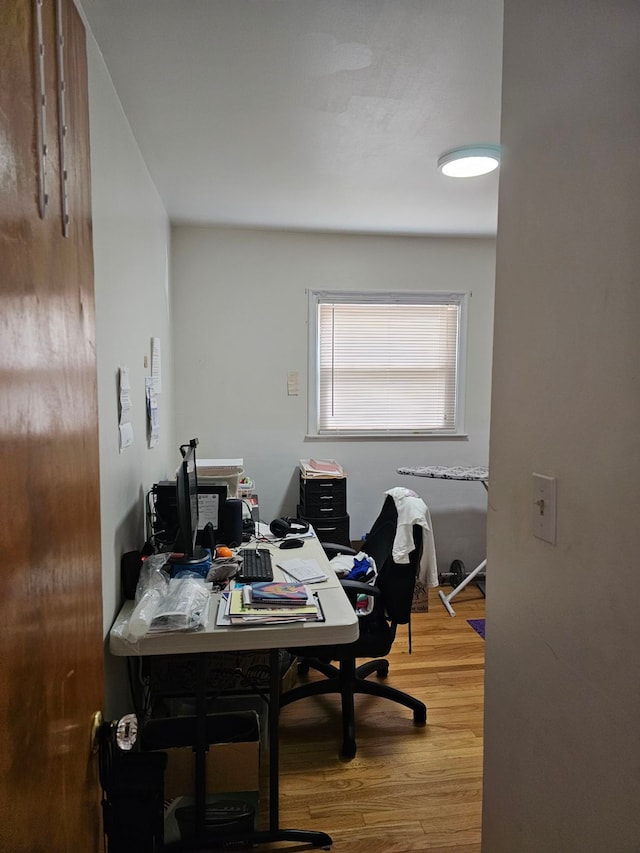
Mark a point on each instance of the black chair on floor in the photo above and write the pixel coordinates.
(392, 600)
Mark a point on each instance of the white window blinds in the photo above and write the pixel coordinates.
(390, 366)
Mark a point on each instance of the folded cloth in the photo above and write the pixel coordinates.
(412, 510)
(359, 568)
(362, 570)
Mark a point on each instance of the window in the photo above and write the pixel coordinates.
(386, 363)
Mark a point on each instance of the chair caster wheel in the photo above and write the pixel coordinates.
(420, 717)
(303, 668)
(382, 671)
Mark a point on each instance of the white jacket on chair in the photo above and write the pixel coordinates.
(412, 510)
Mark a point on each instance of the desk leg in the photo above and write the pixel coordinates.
(202, 745)
(274, 740)
(274, 833)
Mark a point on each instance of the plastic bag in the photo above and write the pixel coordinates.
(185, 607)
(153, 585)
(153, 575)
(164, 604)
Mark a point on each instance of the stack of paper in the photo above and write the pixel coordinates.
(239, 612)
(303, 571)
(321, 468)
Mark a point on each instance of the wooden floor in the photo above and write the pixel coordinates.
(408, 788)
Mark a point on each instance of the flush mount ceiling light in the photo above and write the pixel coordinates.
(469, 161)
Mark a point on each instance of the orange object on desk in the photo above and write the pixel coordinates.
(222, 552)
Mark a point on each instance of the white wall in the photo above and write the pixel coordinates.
(562, 746)
(130, 243)
(240, 322)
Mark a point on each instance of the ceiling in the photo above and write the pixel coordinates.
(310, 114)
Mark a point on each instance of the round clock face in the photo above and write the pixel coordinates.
(127, 731)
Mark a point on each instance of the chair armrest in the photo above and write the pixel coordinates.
(332, 549)
(355, 588)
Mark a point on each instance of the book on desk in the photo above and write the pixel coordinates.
(237, 612)
(276, 594)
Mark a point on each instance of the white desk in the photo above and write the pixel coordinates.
(340, 626)
(477, 474)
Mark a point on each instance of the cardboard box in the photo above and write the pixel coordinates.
(230, 767)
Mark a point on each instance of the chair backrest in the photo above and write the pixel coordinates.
(396, 580)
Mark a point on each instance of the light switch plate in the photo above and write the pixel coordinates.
(293, 383)
(543, 510)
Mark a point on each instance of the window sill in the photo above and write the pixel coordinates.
(388, 436)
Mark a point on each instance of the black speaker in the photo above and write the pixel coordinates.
(130, 565)
(231, 523)
(281, 527)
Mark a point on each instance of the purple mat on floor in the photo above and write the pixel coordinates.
(477, 625)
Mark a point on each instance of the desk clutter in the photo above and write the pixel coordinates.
(316, 621)
(210, 502)
(163, 604)
(149, 792)
(204, 641)
(213, 502)
(195, 526)
(174, 597)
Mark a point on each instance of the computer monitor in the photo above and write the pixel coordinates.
(185, 548)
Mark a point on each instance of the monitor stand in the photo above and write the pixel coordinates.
(199, 556)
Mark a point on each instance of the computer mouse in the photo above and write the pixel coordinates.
(291, 543)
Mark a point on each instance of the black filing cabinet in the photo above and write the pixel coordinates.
(323, 503)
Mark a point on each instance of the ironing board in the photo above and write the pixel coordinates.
(478, 474)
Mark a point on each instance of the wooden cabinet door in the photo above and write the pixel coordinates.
(51, 658)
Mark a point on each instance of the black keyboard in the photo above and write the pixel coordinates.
(256, 565)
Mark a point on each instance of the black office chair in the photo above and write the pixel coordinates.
(392, 599)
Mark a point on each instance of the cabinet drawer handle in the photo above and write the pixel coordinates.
(326, 529)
